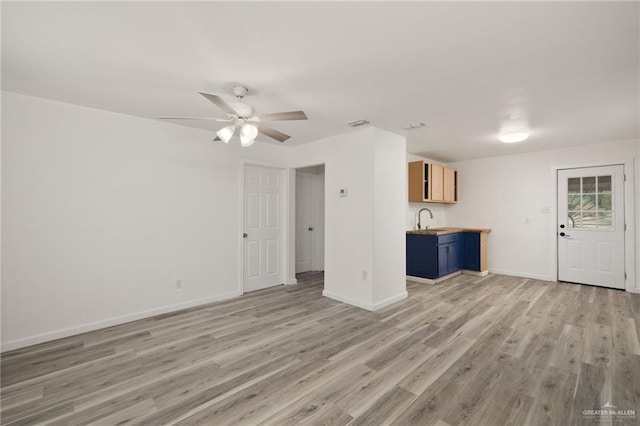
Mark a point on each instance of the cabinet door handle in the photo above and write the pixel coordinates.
(310, 229)
(245, 235)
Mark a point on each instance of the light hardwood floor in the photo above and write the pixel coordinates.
(478, 351)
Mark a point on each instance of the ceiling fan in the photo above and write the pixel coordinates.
(241, 116)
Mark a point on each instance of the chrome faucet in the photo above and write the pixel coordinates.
(420, 213)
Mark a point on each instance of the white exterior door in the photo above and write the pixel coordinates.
(262, 227)
(591, 226)
(304, 222)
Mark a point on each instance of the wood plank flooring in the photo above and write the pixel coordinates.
(469, 351)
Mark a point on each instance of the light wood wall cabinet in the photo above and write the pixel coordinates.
(432, 183)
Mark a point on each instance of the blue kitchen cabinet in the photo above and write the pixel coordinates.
(422, 255)
(430, 256)
(471, 257)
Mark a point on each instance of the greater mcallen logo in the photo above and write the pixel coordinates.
(609, 410)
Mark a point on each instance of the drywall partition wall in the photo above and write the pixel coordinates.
(350, 273)
(348, 161)
(103, 212)
(515, 196)
(389, 212)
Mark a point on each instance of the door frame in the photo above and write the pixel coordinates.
(292, 222)
(629, 218)
(317, 238)
(285, 187)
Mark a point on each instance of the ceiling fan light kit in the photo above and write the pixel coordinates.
(241, 115)
(226, 132)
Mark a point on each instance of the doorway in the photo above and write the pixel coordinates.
(262, 227)
(309, 220)
(591, 226)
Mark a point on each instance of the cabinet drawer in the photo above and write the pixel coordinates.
(449, 238)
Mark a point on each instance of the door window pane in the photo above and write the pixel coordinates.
(604, 202)
(605, 220)
(589, 220)
(589, 184)
(590, 202)
(574, 185)
(604, 184)
(574, 220)
(575, 201)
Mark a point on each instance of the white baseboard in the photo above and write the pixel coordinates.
(475, 273)
(446, 277)
(365, 305)
(434, 280)
(390, 300)
(291, 281)
(522, 274)
(72, 331)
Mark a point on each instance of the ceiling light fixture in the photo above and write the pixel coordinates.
(248, 133)
(249, 130)
(514, 137)
(226, 132)
(515, 128)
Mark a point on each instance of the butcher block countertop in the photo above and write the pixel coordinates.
(447, 230)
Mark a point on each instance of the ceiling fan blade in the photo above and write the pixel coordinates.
(281, 116)
(273, 133)
(195, 118)
(219, 102)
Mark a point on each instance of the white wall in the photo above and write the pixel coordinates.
(508, 194)
(102, 212)
(348, 161)
(390, 196)
(350, 245)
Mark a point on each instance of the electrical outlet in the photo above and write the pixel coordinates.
(364, 275)
(178, 284)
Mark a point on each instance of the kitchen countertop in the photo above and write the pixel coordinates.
(447, 230)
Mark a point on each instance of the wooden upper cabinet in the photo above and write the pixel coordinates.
(437, 182)
(432, 183)
(450, 185)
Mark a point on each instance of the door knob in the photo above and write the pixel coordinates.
(245, 235)
(562, 234)
(562, 226)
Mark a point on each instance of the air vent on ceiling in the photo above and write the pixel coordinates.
(414, 126)
(358, 123)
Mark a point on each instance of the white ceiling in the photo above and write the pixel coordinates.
(571, 68)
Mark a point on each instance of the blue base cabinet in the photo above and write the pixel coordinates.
(422, 255)
(471, 241)
(431, 256)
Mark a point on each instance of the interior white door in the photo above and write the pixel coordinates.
(304, 222)
(262, 227)
(591, 226)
